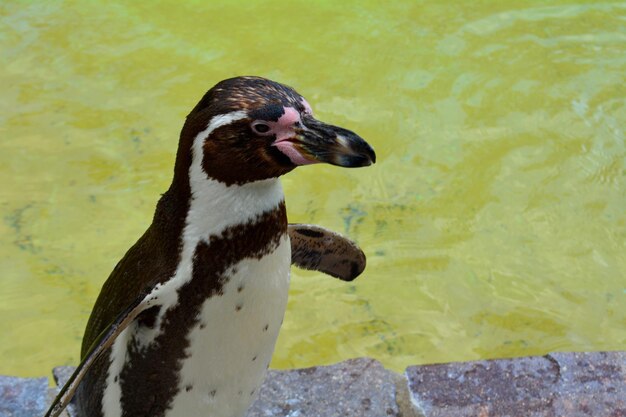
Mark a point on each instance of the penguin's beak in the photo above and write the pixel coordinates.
(316, 141)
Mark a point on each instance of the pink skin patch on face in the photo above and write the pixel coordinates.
(283, 128)
(284, 131)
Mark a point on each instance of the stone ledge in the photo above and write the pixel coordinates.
(23, 397)
(357, 387)
(555, 385)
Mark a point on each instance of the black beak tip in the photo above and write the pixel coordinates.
(367, 156)
(358, 160)
(362, 155)
(371, 154)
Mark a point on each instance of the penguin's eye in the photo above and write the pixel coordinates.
(261, 128)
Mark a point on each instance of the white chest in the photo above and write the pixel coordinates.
(232, 345)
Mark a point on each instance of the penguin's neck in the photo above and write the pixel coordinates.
(213, 205)
(199, 206)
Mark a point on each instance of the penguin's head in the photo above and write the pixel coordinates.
(251, 128)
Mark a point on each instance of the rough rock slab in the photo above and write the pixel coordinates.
(555, 385)
(62, 374)
(23, 397)
(354, 388)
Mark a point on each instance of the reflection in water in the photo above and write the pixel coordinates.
(494, 221)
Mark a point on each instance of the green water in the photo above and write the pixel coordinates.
(494, 221)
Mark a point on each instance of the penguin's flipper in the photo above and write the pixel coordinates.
(316, 248)
(103, 342)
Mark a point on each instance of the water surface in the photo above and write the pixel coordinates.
(494, 221)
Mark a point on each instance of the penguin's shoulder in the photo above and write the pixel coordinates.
(150, 261)
(135, 274)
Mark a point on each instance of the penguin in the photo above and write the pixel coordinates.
(185, 325)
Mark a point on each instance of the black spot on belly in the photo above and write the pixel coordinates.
(238, 307)
(253, 359)
(240, 288)
(212, 393)
(310, 233)
(252, 392)
(267, 326)
(188, 388)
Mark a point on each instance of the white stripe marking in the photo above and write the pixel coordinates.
(111, 399)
